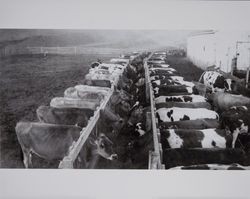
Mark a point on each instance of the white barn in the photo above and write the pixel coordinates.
(219, 48)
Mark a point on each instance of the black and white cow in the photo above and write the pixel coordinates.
(190, 124)
(216, 81)
(163, 71)
(237, 121)
(174, 90)
(166, 82)
(191, 138)
(165, 77)
(180, 98)
(178, 114)
(194, 105)
(194, 156)
(212, 167)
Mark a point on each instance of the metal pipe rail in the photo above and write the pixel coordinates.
(155, 157)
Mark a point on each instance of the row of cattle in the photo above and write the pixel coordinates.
(62, 122)
(188, 125)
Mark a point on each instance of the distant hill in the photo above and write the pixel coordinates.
(143, 39)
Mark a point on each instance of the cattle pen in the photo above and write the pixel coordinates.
(68, 161)
(76, 147)
(154, 157)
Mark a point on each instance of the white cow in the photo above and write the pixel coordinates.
(178, 114)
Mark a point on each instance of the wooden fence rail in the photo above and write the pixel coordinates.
(68, 161)
(155, 157)
(76, 147)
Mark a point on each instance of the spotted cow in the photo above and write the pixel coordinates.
(234, 166)
(180, 98)
(191, 124)
(236, 120)
(174, 90)
(216, 82)
(191, 138)
(179, 114)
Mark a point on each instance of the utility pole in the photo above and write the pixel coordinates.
(248, 69)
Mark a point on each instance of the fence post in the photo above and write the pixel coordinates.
(67, 163)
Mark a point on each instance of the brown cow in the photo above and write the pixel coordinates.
(52, 142)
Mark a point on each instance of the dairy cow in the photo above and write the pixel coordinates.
(166, 77)
(223, 101)
(236, 120)
(165, 71)
(65, 102)
(217, 82)
(158, 66)
(52, 142)
(174, 90)
(205, 105)
(66, 116)
(212, 167)
(179, 114)
(111, 120)
(171, 82)
(180, 98)
(194, 156)
(191, 124)
(191, 138)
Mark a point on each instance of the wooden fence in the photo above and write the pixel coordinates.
(72, 50)
(155, 157)
(74, 150)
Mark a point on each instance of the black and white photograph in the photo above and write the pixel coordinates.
(125, 99)
(125, 96)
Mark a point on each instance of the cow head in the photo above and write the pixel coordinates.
(125, 106)
(125, 95)
(139, 130)
(112, 120)
(103, 146)
(115, 98)
(140, 82)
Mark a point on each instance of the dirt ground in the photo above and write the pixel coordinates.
(187, 69)
(27, 82)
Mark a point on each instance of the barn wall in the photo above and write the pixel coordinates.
(219, 49)
(201, 50)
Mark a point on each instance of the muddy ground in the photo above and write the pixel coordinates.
(27, 82)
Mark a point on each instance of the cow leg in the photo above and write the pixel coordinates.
(26, 158)
(235, 135)
(30, 160)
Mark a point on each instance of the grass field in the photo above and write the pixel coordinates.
(28, 82)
